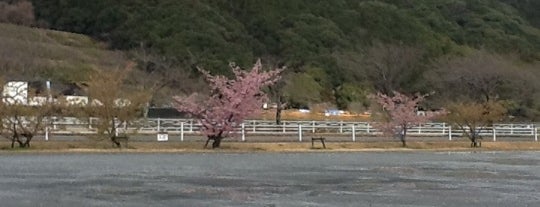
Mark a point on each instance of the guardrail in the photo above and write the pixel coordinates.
(68, 125)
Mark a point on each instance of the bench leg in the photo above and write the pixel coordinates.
(324, 146)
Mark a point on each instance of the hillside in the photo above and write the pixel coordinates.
(336, 52)
(211, 33)
(39, 54)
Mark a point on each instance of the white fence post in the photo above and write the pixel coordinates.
(182, 131)
(53, 122)
(494, 135)
(243, 132)
(158, 125)
(47, 133)
(300, 132)
(253, 123)
(353, 133)
(341, 127)
(443, 128)
(511, 129)
(535, 133)
(283, 125)
(313, 127)
(368, 128)
(450, 132)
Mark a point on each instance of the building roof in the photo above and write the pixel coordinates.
(166, 113)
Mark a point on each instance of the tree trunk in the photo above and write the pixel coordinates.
(26, 144)
(403, 141)
(402, 136)
(206, 144)
(475, 139)
(279, 107)
(27, 141)
(15, 137)
(476, 143)
(22, 144)
(278, 115)
(217, 142)
(116, 142)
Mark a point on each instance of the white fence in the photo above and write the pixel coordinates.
(297, 129)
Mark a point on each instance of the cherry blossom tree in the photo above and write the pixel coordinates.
(230, 101)
(401, 114)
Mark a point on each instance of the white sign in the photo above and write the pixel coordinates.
(162, 137)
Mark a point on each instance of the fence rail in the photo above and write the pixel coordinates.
(67, 125)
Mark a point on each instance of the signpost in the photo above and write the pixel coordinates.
(162, 137)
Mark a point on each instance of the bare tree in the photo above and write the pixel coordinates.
(479, 76)
(276, 91)
(111, 103)
(474, 117)
(21, 118)
(391, 67)
(162, 75)
(482, 77)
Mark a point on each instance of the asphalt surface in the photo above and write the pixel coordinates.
(271, 179)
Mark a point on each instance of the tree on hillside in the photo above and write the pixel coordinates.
(479, 76)
(111, 103)
(276, 91)
(230, 101)
(20, 13)
(392, 67)
(401, 114)
(482, 77)
(162, 76)
(473, 117)
(21, 120)
(302, 90)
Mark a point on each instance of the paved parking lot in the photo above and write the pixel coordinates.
(271, 179)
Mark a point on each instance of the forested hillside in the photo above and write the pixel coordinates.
(335, 52)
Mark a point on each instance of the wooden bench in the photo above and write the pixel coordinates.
(322, 139)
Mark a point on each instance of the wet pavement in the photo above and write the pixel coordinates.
(272, 179)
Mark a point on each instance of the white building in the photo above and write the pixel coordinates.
(76, 100)
(15, 92)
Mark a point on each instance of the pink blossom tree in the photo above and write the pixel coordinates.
(230, 101)
(401, 114)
